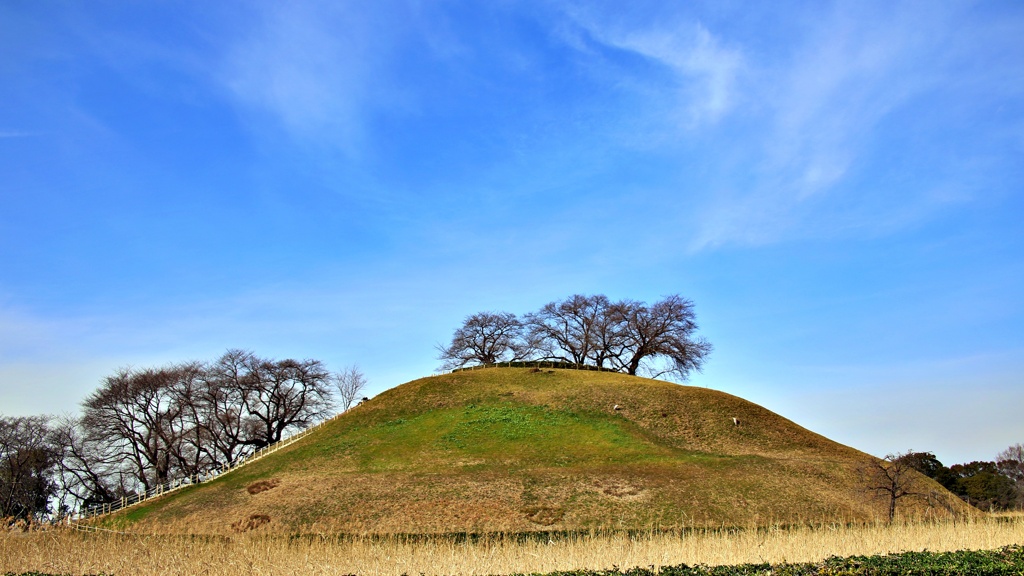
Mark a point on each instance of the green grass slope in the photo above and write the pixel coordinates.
(517, 449)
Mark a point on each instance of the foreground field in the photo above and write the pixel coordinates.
(70, 552)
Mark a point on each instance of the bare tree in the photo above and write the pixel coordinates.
(1011, 464)
(285, 394)
(485, 338)
(242, 402)
(27, 458)
(144, 427)
(666, 330)
(608, 334)
(143, 415)
(349, 383)
(218, 406)
(628, 336)
(192, 452)
(90, 470)
(568, 329)
(892, 479)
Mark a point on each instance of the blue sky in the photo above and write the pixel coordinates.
(839, 187)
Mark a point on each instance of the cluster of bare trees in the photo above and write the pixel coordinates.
(144, 427)
(627, 336)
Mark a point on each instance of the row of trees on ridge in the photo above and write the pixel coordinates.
(144, 427)
(627, 336)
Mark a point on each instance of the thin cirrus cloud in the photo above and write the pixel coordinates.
(703, 69)
(827, 106)
(845, 79)
(318, 69)
(848, 101)
(805, 101)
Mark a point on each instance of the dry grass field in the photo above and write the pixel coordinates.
(71, 552)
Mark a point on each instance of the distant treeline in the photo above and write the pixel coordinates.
(995, 485)
(145, 426)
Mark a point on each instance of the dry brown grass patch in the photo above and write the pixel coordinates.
(253, 522)
(617, 488)
(543, 515)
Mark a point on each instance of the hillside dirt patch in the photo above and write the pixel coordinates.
(263, 486)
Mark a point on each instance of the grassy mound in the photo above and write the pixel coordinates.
(518, 449)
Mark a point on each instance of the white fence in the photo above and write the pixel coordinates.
(561, 364)
(174, 485)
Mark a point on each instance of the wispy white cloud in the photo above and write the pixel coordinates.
(825, 107)
(315, 67)
(803, 127)
(704, 70)
(852, 71)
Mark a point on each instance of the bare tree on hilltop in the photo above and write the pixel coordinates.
(665, 329)
(626, 336)
(218, 405)
(567, 330)
(486, 338)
